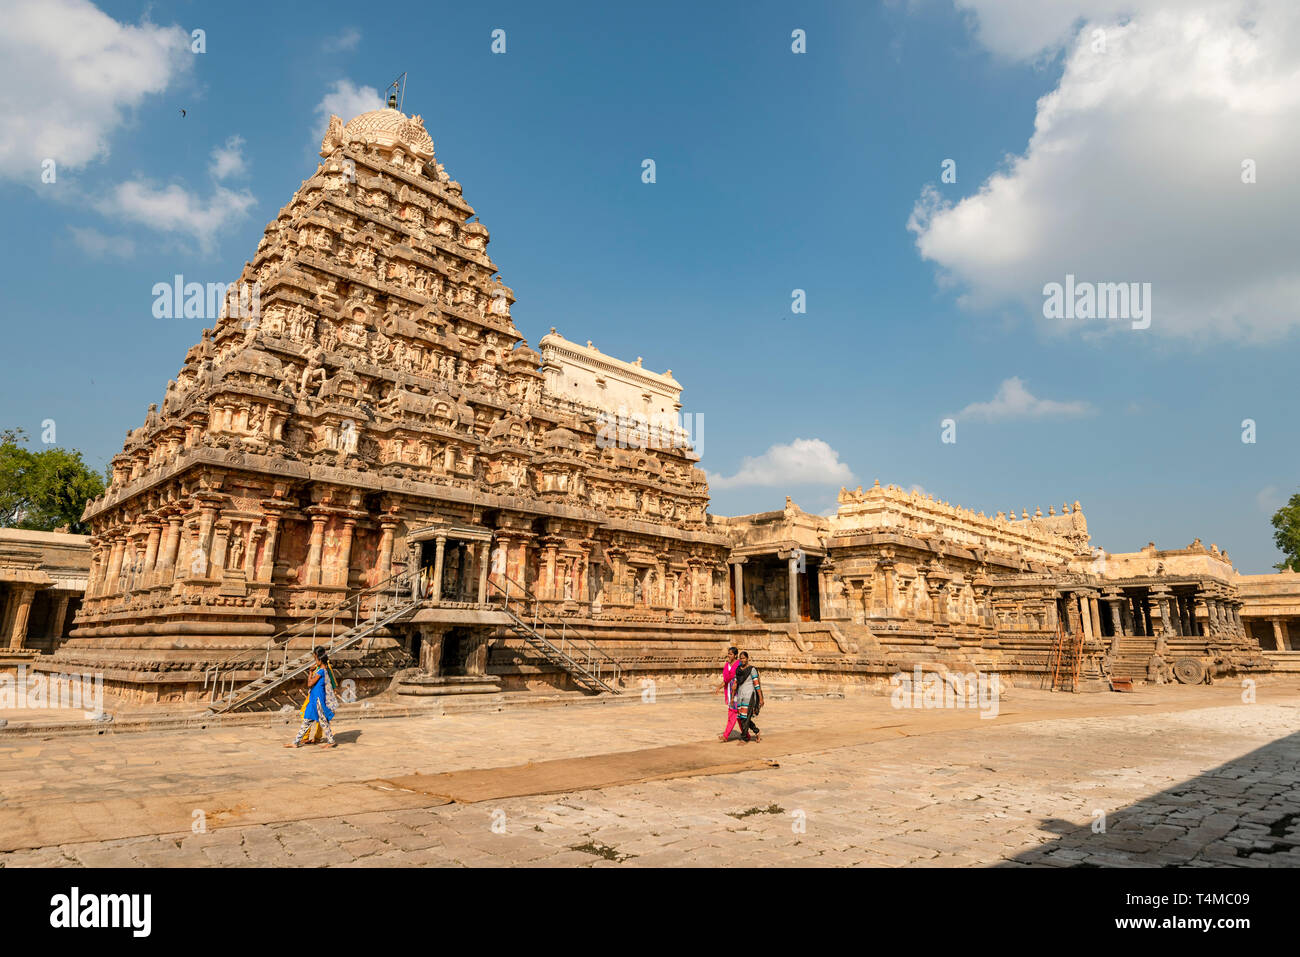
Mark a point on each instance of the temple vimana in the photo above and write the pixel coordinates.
(379, 444)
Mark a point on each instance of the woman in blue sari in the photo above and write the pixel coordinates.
(317, 709)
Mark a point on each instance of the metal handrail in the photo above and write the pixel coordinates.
(597, 660)
(223, 672)
(356, 633)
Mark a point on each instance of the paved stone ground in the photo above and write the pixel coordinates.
(1183, 776)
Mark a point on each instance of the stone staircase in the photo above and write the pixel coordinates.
(278, 663)
(591, 668)
(1132, 656)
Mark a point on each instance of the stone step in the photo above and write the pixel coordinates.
(437, 686)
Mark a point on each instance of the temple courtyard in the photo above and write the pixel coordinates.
(1169, 775)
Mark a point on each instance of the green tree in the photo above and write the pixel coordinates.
(43, 490)
(1286, 534)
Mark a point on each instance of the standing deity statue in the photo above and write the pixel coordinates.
(313, 371)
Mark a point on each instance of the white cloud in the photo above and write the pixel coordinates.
(1014, 401)
(98, 246)
(1134, 170)
(347, 40)
(1029, 31)
(71, 75)
(801, 462)
(228, 160)
(1269, 499)
(345, 100)
(174, 209)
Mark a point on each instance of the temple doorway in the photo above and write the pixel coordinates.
(809, 600)
(452, 659)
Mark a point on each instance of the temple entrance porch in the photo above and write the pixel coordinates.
(772, 588)
(450, 563)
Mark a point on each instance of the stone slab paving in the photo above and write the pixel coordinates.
(1169, 776)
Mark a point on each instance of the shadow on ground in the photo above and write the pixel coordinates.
(1245, 813)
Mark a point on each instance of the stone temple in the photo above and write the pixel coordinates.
(381, 424)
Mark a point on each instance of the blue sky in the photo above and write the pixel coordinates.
(775, 171)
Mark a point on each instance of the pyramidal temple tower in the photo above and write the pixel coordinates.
(380, 415)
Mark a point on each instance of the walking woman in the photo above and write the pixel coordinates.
(317, 710)
(748, 698)
(728, 688)
(331, 702)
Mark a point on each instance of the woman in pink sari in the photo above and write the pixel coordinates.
(728, 691)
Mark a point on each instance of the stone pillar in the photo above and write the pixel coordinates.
(440, 548)
(151, 548)
(793, 578)
(255, 535)
(582, 575)
(266, 570)
(1116, 618)
(1280, 634)
(521, 565)
(96, 571)
(22, 597)
(315, 547)
(499, 564)
(1095, 609)
(1139, 619)
(114, 566)
(1074, 621)
(549, 587)
(171, 546)
(386, 525)
(567, 578)
(219, 540)
(207, 516)
(1163, 603)
(343, 561)
(1197, 600)
(618, 586)
(58, 618)
(1085, 616)
(740, 591)
(938, 589)
(890, 610)
(484, 560)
